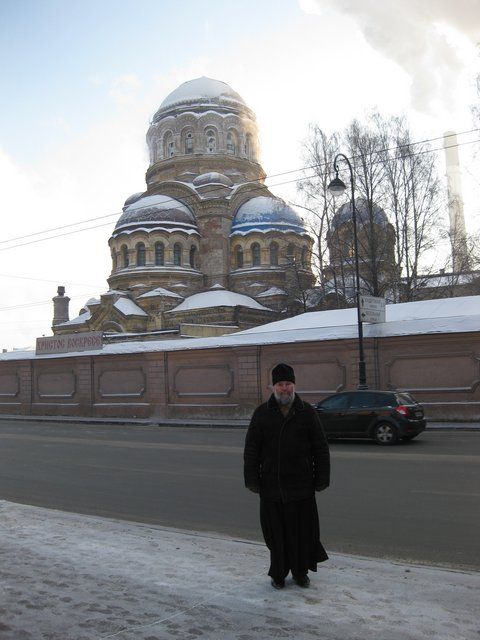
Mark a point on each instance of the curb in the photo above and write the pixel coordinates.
(206, 424)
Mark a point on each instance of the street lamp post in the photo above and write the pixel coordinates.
(337, 187)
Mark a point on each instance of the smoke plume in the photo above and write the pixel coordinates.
(417, 35)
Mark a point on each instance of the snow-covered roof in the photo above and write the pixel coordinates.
(447, 315)
(266, 213)
(81, 319)
(273, 291)
(213, 177)
(200, 91)
(160, 291)
(157, 211)
(218, 298)
(114, 292)
(128, 307)
(447, 279)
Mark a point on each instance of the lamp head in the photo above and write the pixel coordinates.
(337, 187)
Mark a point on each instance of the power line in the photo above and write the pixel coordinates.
(65, 226)
(261, 187)
(40, 303)
(60, 235)
(72, 284)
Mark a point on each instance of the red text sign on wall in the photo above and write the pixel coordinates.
(69, 343)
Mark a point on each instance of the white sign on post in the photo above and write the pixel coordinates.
(372, 309)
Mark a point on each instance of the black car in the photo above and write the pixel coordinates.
(384, 416)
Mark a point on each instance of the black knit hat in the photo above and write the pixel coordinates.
(283, 373)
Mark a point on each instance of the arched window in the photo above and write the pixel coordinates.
(168, 147)
(177, 254)
(114, 261)
(231, 143)
(248, 146)
(274, 254)
(189, 142)
(159, 254)
(255, 254)
(140, 254)
(304, 258)
(291, 253)
(211, 140)
(193, 252)
(239, 257)
(125, 255)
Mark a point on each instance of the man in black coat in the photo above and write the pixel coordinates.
(286, 460)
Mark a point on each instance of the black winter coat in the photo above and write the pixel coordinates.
(286, 458)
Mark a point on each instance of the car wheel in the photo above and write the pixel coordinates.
(385, 434)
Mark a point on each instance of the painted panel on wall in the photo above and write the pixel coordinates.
(58, 384)
(114, 383)
(9, 385)
(215, 380)
(314, 378)
(317, 374)
(434, 372)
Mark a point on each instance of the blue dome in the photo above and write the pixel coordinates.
(266, 213)
(344, 214)
(150, 213)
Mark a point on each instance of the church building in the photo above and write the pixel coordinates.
(206, 248)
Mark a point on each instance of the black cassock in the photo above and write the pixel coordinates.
(286, 461)
(292, 534)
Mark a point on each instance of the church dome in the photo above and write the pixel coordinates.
(201, 94)
(156, 212)
(266, 213)
(344, 214)
(133, 198)
(212, 178)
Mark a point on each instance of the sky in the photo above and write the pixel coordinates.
(80, 81)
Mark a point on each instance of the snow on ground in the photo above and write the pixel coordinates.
(73, 577)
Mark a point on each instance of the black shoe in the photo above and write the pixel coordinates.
(302, 581)
(278, 584)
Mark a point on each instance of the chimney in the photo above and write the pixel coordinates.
(458, 236)
(60, 307)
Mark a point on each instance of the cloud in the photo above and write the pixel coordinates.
(124, 88)
(432, 40)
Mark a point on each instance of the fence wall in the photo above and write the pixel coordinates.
(442, 371)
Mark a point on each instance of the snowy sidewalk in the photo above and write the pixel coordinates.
(73, 577)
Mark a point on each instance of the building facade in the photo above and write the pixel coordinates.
(206, 244)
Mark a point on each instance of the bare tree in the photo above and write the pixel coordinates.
(398, 207)
(413, 199)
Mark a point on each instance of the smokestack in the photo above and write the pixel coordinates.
(458, 235)
(60, 307)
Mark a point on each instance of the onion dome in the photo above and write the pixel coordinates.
(362, 208)
(264, 214)
(201, 94)
(133, 198)
(156, 212)
(212, 178)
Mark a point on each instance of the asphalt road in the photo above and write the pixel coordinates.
(419, 501)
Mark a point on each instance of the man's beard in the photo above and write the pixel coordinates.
(284, 397)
